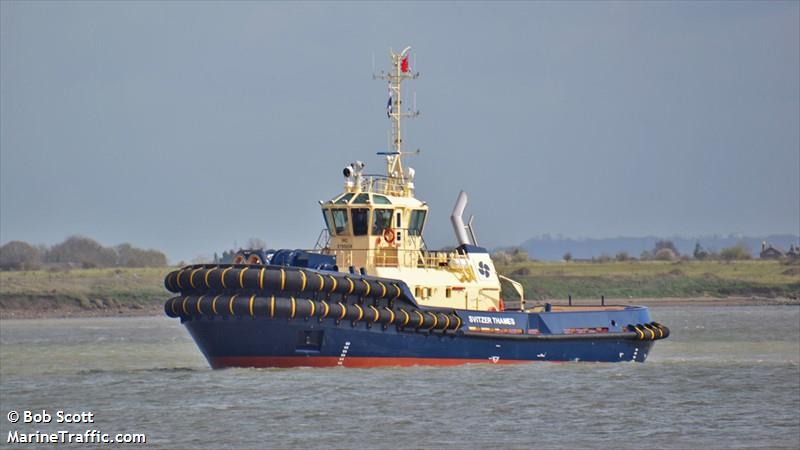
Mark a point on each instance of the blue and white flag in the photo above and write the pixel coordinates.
(389, 107)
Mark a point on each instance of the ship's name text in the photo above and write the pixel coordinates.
(492, 320)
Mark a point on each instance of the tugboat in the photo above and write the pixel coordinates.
(372, 294)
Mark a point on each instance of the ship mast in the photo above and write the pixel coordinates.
(399, 72)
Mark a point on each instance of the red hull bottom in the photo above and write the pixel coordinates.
(333, 361)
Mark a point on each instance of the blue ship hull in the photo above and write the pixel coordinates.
(265, 342)
(278, 316)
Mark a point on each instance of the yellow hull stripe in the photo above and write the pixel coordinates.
(205, 278)
(435, 321)
(327, 310)
(272, 307)
(294, 307)
(421, 318)
(352, 285)
(261, 279)
(283, 279)
(333, 288)
(391, 316)
(230, 304)
(377, 313)
(321, 283)
(214, 305)
(303, 283)
(368, 288)
(407, 317)
(398, 290)
(199, 308)
(311, 303)
(252, 300)
(344, 311)
(222, 276)
(383, 289)
(191, 278)
(360, 313)
(241, 277)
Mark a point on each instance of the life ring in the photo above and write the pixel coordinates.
(388, 235)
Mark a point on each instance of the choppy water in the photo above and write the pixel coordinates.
(728, 377)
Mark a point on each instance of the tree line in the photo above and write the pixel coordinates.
(76, 252)
(664, 250)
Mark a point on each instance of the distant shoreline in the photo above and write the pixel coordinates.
(65, 311)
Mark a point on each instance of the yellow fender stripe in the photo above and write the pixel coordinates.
(638, 332)
(205, 278)
(360, 313)
(383, 289)
(294, 307)
(199, 308)
(334, 282)
(327, 310)
(352, 285)
(407, 319)
(222, 276)
(191, 277)
(252, 299)
(377, 313)
(368, 288)
(398, 290)
(241, 277)
(214, 305)
(344, 311)
(421, 318)
(261, 279)
(183, 305)
(311, 302)
(321, 283)
(178, 278)
(458, 323)
(230, 304)
(391, 316)
(446, 324)
(435, 320)
(272, 307)
(174, 304)
(283, 279)
(303, 285)
(660, 331)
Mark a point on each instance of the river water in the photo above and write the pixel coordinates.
(728, 377)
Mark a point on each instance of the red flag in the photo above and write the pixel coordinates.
(404, 65)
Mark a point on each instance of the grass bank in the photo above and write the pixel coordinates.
(104, 292)
(82, 292)
(654, 279)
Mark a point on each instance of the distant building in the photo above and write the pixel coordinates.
(794, 252)
(768, 251)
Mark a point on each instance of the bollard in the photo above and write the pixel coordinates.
(603, 300)
(570, 299)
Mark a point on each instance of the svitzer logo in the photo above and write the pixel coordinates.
(484, 269)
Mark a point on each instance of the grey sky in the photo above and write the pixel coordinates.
(188, 126)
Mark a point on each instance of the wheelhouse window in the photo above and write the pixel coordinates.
(361, 199)
(381, 219)
(340, 220)
(326, 214)
(360, 221)
(380, 200)
(343, 199)
(417, 222)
